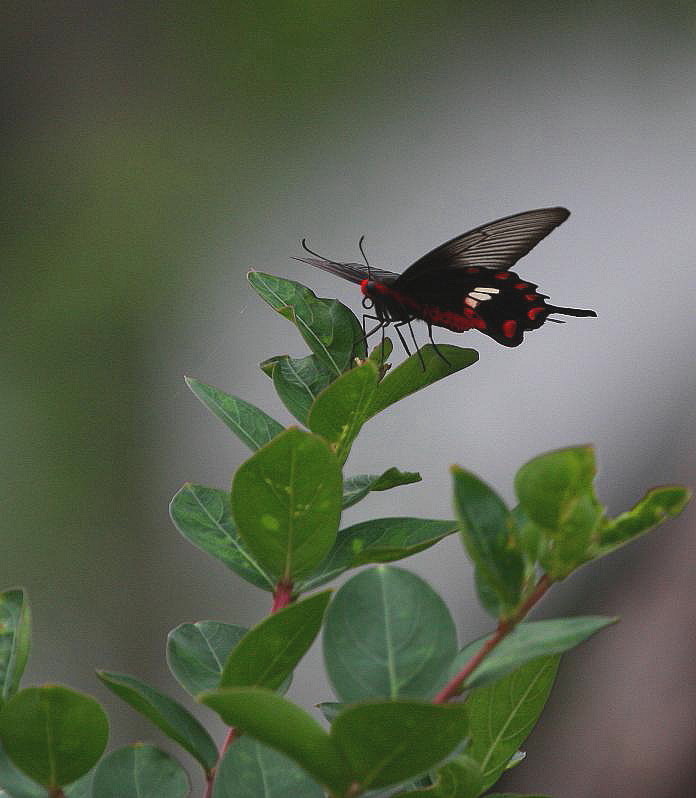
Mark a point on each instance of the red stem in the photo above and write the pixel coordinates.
(282, 596)
(454, 686)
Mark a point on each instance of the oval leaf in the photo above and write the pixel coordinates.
(140, 771)
(387, 635)
(269, 652)
(341, 409)
(250, 424)
(174, 720)
(15, 640)
(204, 517)
(286, 500)
(55, 735)
(252, 770)
(298, 382)
(196, 653)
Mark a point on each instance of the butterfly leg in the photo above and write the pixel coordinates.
(437, 351)
(413, 338)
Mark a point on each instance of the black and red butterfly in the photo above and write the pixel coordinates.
(464, 284)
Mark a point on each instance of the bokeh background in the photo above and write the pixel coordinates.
(154, 152)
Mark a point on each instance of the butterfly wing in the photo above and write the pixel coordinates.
(355, 272)
(496, 245)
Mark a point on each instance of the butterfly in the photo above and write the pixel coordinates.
(464, 284)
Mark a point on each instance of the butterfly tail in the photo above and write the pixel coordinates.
(571, 311)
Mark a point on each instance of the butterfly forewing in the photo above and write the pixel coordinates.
(496, 245)
(355, 272)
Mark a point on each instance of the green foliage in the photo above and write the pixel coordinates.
(390, 645)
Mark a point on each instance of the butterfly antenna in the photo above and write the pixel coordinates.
(316, 254)
(362, 252)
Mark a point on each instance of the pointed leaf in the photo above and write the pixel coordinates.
(526, 642)
(196, 653)
(204, 517)
(339, 412)
(330, 329)
(55, 735)
(252, 770)
(389, 742)
(410, 376)
(269, 652)
(654, 508)
(378, 541)
(278, 723)
(502, 715)
(250, 424)
(298, 382)
(286, 500)
(15, 640)
(140, 771)
(489, 534)
(166, 713)
(387, 635)
(15, 783)
(356, 488)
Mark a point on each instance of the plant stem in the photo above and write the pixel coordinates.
(282, 596)
(454, 686)
(56, 792)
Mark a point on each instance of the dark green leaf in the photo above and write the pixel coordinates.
(459, 778)
(15, 782)
(140, 771)
(502, 715)
(204, 517)
(387, 635)
(526, 642)
(196, 653)
(339, 412)
(410, 376)
(250, 424)
(269, 652)
(330, 329)
(489, 534)
(382, 351)
(277, 722)
(55, 735)
(654, 508)
(252, 770)
(174, 720)
(286, 500)
(356, 488)
(15, 640)
(298, 382)
(377, 541)
(389, 742)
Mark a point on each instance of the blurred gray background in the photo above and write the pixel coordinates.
(153, 153)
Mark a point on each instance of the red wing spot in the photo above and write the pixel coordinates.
(509, 328)
(531, 297)
(534, 312)
(473, 270)
(503, 276)
(521, 286)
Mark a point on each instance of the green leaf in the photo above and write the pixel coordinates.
(196, 653)
(298, 382)
(286, 500)
(382, 351)
(204, 517)
(387, 635)
(166, 713)
(657, 506)
(356, 488)
(269, 652)
(502, 715)
(556, 493)
(252, 770)
(339, 412)
(15, 640)
(378, 541)
(55, 735)
(329, 328)
(140, 771)
(387, 743)
(82, 788)
(459, 778)
(277, 722)
(489, 534)
(250, 424)
(330, 709)
(15, 782)
(526, 642)
(410, 376)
